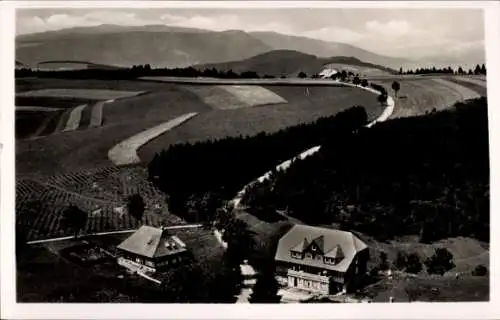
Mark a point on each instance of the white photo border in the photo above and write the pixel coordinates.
(12, 310)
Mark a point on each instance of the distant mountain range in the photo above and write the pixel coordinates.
(287, 62)
(165, 46)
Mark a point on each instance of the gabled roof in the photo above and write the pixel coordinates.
(301, 246)
(336, 243)
(320, 243)
(336, 253)
(152, 242)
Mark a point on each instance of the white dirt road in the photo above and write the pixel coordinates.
(125, 152)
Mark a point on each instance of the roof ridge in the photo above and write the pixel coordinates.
(163, 237)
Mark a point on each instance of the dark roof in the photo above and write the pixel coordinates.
(333, 243)
(152, 243)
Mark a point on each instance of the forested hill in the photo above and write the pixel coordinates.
(425, 175)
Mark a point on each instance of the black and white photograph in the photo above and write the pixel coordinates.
(262, 154)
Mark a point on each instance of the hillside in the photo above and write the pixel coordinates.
(286, 62)
(320, 48)
(165, 49)
(167, 46)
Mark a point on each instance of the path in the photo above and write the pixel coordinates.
(186, 226)
(125, 152)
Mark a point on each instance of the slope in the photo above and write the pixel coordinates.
(321, 48)
(157, 48)
(287, 62)
(161, 45)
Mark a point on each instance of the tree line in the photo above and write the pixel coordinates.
(186, 171)
(478, 70)
(139, 71)
(425, 175)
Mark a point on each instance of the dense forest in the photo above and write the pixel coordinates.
(187, 172)
(449, 70)
(424, 175)
(137, 71)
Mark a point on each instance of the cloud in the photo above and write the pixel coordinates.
(391, 28)
(394, 34)
(335, 34)
(93, 18)
(223, 22)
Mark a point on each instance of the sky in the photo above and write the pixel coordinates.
(412, 33)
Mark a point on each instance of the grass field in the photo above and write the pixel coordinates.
(467, 253)
(474, 84)
(87, 149)
(301, 108)
(442, 289)
(93, 94)
(30, 84)
(235, 97)
(418, 97)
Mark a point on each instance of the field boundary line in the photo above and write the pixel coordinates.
(125, 152)
(464, 92)
(64, 118)
(476, 81)
(74, 118)
(182, 226)
(37, 108)
(96, 115)
(42, 126)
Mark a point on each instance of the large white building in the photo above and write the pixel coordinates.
(320, 260)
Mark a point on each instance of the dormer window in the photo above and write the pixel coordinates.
(329, 260)
(296, 255)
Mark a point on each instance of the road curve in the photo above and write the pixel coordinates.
(389, 109)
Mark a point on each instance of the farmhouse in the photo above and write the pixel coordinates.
(320, 260)
(151, 249)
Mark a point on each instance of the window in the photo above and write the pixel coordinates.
(296, 254)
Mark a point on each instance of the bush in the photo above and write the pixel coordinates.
(413, 264)
(384, 264)
(480, 271)
(440, 262)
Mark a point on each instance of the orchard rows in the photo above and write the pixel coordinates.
(102, 193)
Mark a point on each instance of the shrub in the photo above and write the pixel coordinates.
(480, 270)
(413, 264)
(440, 262)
